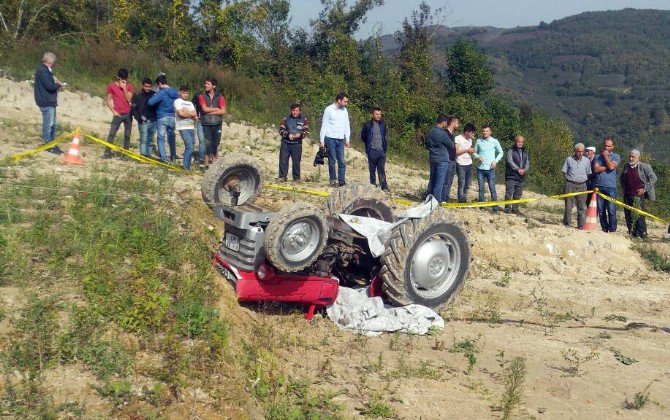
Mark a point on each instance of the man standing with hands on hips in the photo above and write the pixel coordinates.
(336, 135)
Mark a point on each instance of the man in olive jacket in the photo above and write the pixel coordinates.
(638, 180)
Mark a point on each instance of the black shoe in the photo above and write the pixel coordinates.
(106, 155)
(342, 184)
(55, 150)
(334, 183)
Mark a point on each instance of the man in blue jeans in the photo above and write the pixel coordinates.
(46, 98)
(464, 152)
(487, 153)
(145, 116)
(184, 117)
(336, 135)
(439, 145)
(452, 126)
(163, 100)
(605, 166)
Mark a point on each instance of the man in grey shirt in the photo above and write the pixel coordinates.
(373, 135)
(576, 169)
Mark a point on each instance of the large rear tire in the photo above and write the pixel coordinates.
(360, 200)
(229, 176)
(426, 261)
(295, 237)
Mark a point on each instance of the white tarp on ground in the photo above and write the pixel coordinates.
(376, 231)
(355, 311)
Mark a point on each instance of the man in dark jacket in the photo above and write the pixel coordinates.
(46, 98)
(440, 146)
(517, 164)
(293, 130)
(373, 135)
(638, 180)
(145, 116)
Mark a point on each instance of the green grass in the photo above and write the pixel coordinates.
(657, 261)
(141, 278)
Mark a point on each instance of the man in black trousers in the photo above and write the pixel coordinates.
(373, 135)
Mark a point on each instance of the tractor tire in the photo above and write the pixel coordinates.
(295, 237)
(360, 200)
(227, 173)
(425, 262)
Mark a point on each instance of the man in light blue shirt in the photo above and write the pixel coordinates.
(604, 166)
(335, 135)
(487, 154)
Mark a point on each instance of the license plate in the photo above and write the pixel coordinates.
(232, 242)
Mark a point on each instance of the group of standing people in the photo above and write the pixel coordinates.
(450, 155)
(159, 110)
(583, 173)
(162, 110)
(334, 138)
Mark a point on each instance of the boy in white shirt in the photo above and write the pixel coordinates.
(464, 150)
(184, 117)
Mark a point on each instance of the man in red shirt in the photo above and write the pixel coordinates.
(118, 96)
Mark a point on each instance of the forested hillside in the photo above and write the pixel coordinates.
(604, 73)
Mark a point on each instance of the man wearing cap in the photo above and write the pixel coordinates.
(576, 169)
(638, 180)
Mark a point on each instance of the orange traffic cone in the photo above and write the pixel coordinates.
(73, 156)
(591, 222)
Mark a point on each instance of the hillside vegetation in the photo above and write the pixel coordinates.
(604, 73)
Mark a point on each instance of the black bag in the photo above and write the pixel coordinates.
(320, 156)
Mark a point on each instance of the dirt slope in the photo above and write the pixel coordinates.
(558, 297)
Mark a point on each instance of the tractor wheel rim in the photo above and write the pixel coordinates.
(435, 265)
(244, 179)
(300, 240)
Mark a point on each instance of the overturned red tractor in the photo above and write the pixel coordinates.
(302, 253)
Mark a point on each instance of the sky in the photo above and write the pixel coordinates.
(499, 13)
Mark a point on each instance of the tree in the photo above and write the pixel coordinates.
(468, 72)
(414, 60)
(18, 17)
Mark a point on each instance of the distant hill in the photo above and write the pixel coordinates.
(604, 73)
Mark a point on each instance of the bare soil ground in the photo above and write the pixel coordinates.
(562, 299)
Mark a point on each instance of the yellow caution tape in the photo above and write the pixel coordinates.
(298, 190)
(140, 158)
(631, 208)
(42, 148)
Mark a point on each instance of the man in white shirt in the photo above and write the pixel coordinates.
(336, 135)
(464, 160)
(184, 118)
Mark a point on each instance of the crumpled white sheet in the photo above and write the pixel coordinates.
(376, 231)
(355, 311)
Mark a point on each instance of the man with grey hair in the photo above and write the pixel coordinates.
(46, 97)
(638, 180)
(576, 169)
